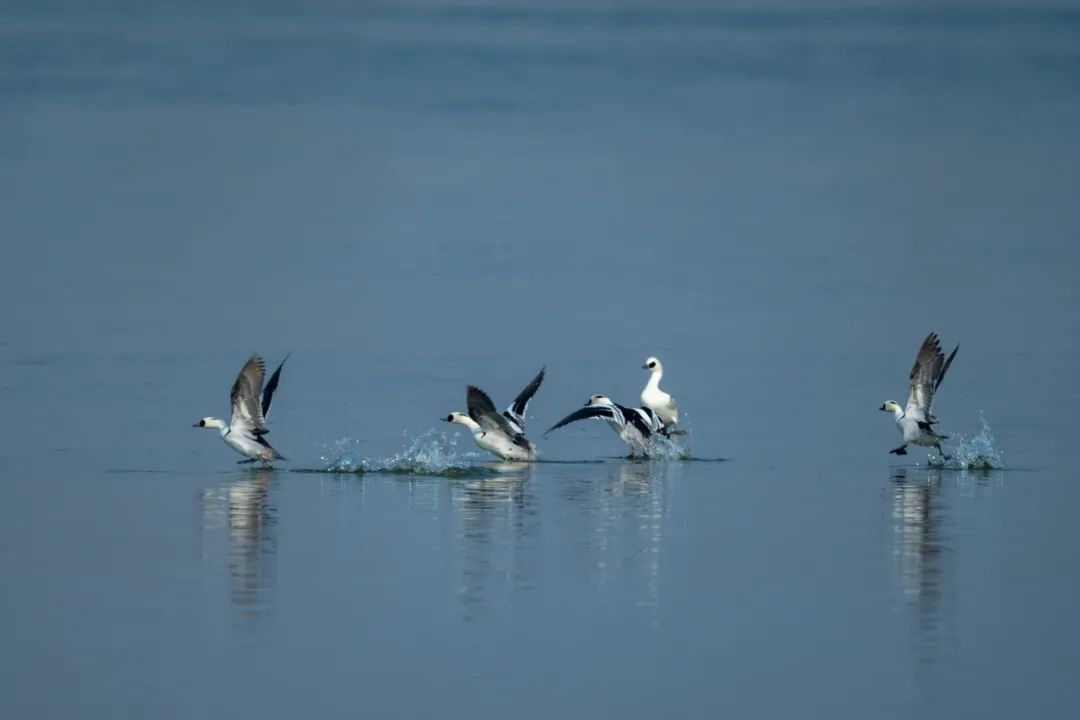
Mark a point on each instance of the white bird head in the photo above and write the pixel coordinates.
(461, 419)
(210, 422)
(891, 406)
(599, 400)
(653, 365)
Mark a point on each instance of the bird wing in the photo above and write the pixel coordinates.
(589, 412)
(926, 376)
(271, 386)
(644, 419)
(516, 412)
(246, 411)
(483, 412)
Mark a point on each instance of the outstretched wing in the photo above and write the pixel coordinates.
(246, 411)
(483, 412)
(516, 412)
(589, 412)
(926, 376)
(271, 386)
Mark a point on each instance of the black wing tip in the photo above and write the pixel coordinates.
(257, 360)
(561, 424)
(945, 367)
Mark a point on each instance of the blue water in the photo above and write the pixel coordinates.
(780, 203)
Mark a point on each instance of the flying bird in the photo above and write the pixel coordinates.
(916, 421)
(502, 434)
(245, 433)
(635, 426)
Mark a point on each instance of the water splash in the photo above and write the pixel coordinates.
(675, 447)
(429, 453)
(979, 452)
(340, 457)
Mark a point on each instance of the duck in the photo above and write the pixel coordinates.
(501, 434)
(246, 430)
(916, 421)
(634, 426)
(655, 399)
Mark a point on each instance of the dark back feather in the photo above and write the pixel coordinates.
(945, 367)
(271, 386)
(483, 412)
(644, 419)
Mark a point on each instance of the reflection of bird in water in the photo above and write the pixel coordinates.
(252, 540)
(915, 533)
(638, 475)
(918, 549)
(496, 517)
(629, 530)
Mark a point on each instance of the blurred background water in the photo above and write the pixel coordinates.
(778, 200)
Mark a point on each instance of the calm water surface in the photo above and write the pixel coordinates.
(778, 203)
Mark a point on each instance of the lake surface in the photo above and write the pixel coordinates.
(779, 203)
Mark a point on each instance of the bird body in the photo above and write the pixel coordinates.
(655, 399)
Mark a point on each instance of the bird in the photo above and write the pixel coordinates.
(501, 434)
(916, 421)
(245, 433)
(635, 426)
(657, 400)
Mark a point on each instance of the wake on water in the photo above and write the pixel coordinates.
(435, 453)
(430, 453)
(979, 452)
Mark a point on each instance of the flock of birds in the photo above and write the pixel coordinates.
(503, 434)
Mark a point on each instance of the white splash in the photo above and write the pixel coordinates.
(676, 447)
(979, 452)
(429, 453)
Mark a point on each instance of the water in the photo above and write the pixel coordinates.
(779, 203)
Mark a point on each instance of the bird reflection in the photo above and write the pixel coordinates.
(918, 509)
(628, 531)
(497, 516)
(251, 521)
